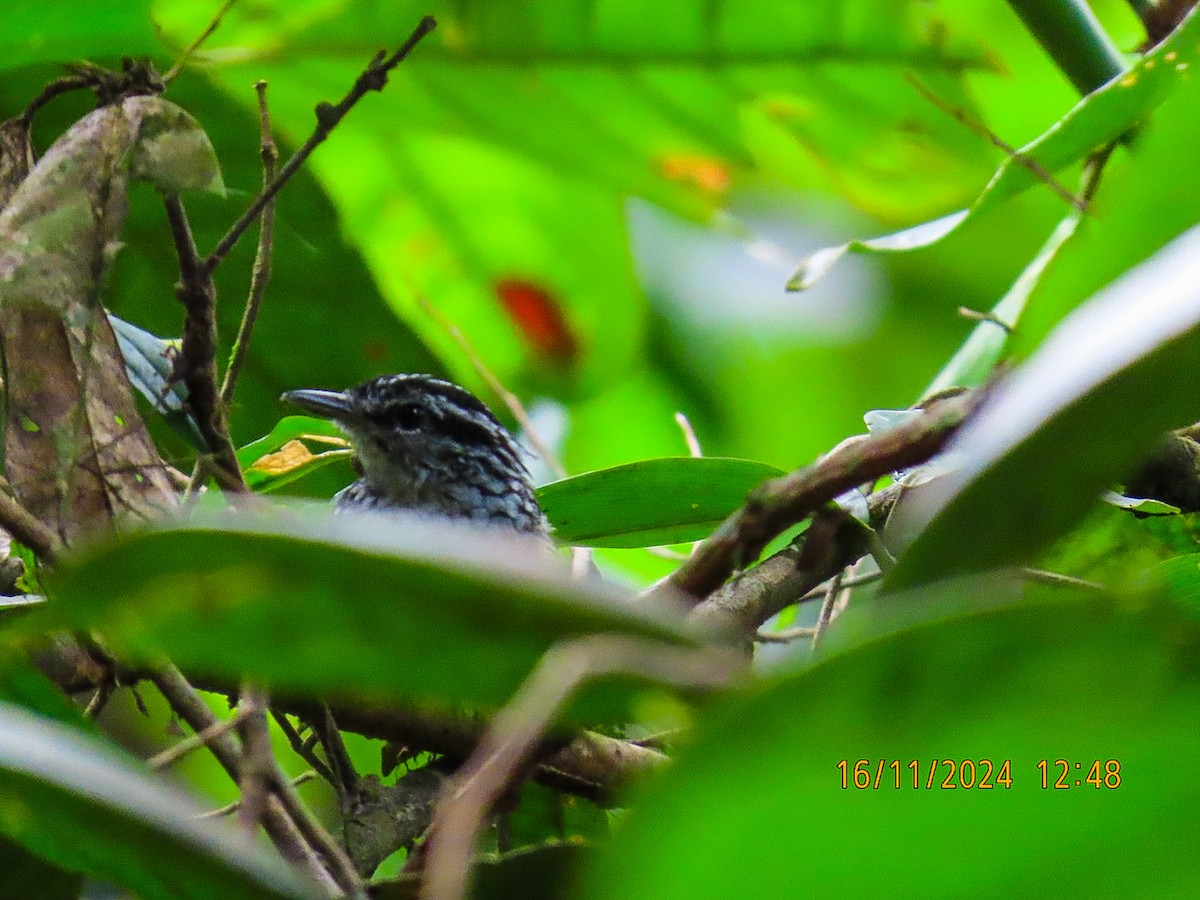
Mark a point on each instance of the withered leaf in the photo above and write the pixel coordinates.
(77, 453)
(16, 157)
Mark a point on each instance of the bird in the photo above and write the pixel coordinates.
(429, 446)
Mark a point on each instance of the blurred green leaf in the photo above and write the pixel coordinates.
(1099, 118)
(23, 874)
(23, 685)
(1073, 420)
(1081, 680)
(140, 833)
(386, 606)
(516, 131)
(650, 503)
(1179, 579)
(976, 359)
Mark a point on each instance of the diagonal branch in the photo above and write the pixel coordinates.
(785, 501)
(372, 78)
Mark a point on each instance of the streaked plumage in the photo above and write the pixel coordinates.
(429, 445)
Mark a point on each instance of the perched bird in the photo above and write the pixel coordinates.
(428, 445)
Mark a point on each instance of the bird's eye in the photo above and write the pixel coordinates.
(410, 416)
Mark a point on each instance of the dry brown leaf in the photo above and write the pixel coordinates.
(291, 455)
(76, 450)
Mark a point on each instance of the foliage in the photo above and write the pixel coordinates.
(601, 207)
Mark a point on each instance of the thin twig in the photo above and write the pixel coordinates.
(976, 315)
(173, 754)
(825, 615)
(961, 115)
(510, 400)
(198, 42)
(99, 700)
(848, 582)
(230, 808)
(1041, 576)
(319, 839)
(282, 825)
(345, 776)
(196, 361)
(302, 749)
(372, 78)
(786, 636)
(261, 273)
(515, 732)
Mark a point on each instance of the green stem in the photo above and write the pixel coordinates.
(1070, 32)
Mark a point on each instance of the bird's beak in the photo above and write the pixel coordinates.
(327, 404)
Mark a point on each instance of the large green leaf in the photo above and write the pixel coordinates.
(1084, 681)
(650, 503)
(79, 803)
(23, 874)
(1072, 421)
(1101, 117)
(389, 607)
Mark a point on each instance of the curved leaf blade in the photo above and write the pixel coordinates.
(1099, 118)
(1082, 680)
(1105, 386)
(385, 606)
(141, 833)
(649, 503)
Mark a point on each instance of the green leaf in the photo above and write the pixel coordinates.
(139, 832)
(275, 459)
(1073, 420)
(388, 607)
(1099, 118)
(1144, 202)
(1142, 505)
(1179, 579)
(1082, 680)
(975, 360)
(23, 874)
(650, 503)
(23, 685)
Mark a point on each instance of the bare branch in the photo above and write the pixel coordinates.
(372, 78)
(784, 501)
(261, 274)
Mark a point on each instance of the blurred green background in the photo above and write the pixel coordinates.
(607, 201)
(606, 197)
